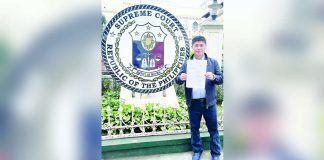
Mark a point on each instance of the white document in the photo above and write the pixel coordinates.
(196, 70)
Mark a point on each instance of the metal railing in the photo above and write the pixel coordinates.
(151, 119)
(143, 125)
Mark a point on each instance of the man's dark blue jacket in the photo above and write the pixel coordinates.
(212, 66)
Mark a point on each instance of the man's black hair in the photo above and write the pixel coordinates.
(199, 38)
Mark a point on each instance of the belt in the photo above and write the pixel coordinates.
(199, 100)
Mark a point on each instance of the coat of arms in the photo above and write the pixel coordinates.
(148, 46)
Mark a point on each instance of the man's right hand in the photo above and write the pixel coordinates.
(183, 76)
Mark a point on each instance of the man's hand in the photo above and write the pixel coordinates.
(183, 76)
(209, 75)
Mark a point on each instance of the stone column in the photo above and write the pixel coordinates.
(213, 31)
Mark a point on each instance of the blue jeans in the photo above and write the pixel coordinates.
(196, 111)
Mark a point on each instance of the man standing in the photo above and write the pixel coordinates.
(202, 101)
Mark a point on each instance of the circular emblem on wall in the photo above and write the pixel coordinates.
(144, 47)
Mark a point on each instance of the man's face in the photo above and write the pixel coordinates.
(199, 48)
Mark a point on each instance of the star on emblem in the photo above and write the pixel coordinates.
(112, 34)
(148, 27)
(159, 34)
(136, 33)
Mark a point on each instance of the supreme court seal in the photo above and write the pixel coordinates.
(144, 47)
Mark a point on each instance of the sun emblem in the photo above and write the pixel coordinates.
(148, 41)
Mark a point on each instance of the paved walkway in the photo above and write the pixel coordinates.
(171, 156)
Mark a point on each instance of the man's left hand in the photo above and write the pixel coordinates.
(209, 75)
